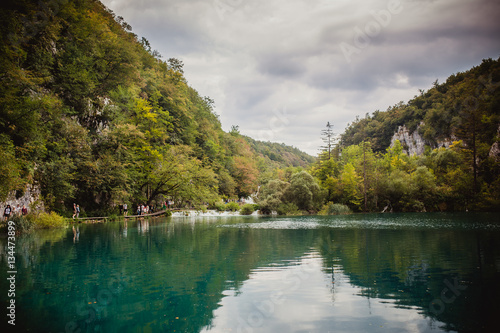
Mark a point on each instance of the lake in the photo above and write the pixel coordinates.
(422, 272)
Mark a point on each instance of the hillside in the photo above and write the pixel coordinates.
(440, 151)
(279, 154)
(466, 107)
(90, 113)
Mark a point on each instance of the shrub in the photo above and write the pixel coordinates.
(47, 220)
(335, 209)
(247, 209)
(288, 208)
(23, 224)
(219, 206)
(232, 206)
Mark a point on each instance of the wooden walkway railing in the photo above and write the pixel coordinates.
(99, 218)
(161, 212)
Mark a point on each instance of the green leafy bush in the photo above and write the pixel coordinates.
(247, 209)
(232, 206)
(288, 208)
(47, 220)
(23, 224)
(219, 206)
(335, 209)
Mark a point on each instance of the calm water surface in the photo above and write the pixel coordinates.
(356, 273)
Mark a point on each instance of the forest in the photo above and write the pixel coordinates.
(367, 171)
(91, 113)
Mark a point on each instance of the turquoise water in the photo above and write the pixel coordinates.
(356, 273)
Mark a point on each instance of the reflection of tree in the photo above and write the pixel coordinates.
(415, 268)
(170, 277)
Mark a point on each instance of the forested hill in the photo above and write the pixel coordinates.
(91, 113)
(466, 107)
(279, 154)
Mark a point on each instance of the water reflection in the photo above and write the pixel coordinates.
(76, 234)
(318, 274)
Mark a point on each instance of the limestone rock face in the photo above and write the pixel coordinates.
(495, 148)
(413, 143)
(31, 198)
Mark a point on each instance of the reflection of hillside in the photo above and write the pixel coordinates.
(414, 268)
(164, 276)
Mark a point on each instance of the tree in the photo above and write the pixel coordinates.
(10, 171)
(351, 193)
(271, 195)
(328, 139)
(327, 172)
(304, 192)
(176, 65)
(424, 188)
(179, 175)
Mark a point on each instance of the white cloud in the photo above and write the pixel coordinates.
(253, 57)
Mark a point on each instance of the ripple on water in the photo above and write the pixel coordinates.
(375, 221)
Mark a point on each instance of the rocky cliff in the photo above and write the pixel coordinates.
(413, 143)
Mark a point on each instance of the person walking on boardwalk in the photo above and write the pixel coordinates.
(77, 211)
(6, 212)
(74, 210)
(125, 209)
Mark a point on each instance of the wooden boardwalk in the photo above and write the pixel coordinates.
(106, 218)
(161, 212)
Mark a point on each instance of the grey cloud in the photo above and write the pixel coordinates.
(287, 54)
(282, 65)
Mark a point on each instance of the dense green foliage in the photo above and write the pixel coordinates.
(291, 194)
(91, 113)
(41, 220)
(466, 105)
(247, 209)
(279, 154)
(365, 173)
(335, 209)
(368, 175)
(440, 180)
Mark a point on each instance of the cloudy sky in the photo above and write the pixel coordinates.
(282, 69)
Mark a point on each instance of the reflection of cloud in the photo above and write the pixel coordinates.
(296, 297)
(262, 54)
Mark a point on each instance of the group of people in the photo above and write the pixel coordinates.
(76, 210)
(14, 211)
(144, 209)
